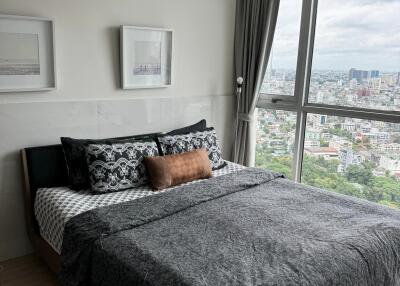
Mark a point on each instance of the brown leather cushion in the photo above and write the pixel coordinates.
(171, 170)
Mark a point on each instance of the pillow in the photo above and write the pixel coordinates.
(171, 170)
(118, 166)
(187, 142)
(75, 158)
(199, 126)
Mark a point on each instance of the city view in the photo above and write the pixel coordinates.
(346, 155)
(355, 63)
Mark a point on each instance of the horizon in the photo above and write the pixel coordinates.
(313, 70)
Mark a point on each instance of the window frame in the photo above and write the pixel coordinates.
(299, 101)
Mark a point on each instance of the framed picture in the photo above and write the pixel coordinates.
(146, 56)
(27, 57)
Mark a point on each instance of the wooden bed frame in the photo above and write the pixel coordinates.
(43, 249)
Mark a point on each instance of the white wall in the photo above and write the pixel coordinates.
(88, 101)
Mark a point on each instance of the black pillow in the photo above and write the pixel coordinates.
(75, 157)
(199, 126)
(74, 152)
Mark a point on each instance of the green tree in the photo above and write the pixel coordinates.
(323, 143)
(358, 180)
(323, 174)
(361, 174)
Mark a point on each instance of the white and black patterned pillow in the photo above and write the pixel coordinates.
(187, 142)
(75, 158)
(118, 166)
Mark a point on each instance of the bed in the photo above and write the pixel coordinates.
(244, 226)
(55, 206)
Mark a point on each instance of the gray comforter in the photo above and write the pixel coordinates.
(251, 227)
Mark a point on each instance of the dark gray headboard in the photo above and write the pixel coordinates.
(42, 167)
(46, 167)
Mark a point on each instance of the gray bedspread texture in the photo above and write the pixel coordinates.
(251, 227)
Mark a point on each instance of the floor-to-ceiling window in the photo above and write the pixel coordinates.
(329, 110)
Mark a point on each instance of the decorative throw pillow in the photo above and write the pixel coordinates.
(119, 166)
(75, 157)
(199, 126)
(188, 142)
(171, 170)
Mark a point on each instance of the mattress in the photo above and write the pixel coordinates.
(55, 206)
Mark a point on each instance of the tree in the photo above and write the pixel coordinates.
(358, 180)
(361, 174)
(322, 173)
(323, 143)
(384, 189)
(267, 160)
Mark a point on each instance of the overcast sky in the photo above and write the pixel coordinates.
(363, 34)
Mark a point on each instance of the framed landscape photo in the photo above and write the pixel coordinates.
(27, 57)
(146, 57)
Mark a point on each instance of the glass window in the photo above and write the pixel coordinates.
(275, 140)
(352, 156)
(355, 64)
(281, 71)
(356, 58)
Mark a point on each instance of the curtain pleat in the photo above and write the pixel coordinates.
(254, 31)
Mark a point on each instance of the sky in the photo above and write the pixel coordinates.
(363, 34)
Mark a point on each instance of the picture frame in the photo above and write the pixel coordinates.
(27, 54)
(146, 57)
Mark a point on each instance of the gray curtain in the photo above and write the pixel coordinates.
(254, 31)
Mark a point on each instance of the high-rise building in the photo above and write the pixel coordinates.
(363, 92)
(358, 75)
(373, 74)
(355, 74)
(374, 84)
(361, 75)
(389, 79)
